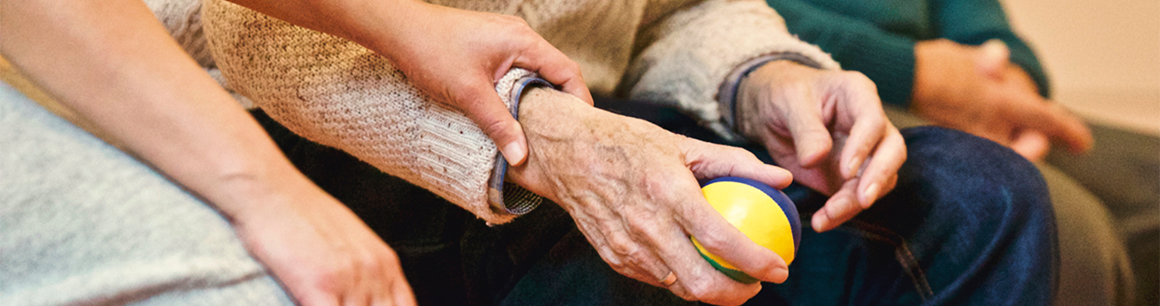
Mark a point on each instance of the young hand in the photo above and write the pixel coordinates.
(979, 91)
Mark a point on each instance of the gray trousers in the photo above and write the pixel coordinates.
(1094, 267)
(83, 223)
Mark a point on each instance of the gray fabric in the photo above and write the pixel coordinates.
(1094, 267)
(83, 223)
(1123, 169)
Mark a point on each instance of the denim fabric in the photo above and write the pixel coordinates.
(969, 223)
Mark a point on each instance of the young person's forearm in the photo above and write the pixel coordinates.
(375, 24)
(114, 64)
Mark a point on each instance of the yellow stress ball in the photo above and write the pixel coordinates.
(764, 214)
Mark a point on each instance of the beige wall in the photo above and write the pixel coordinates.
(1103, 56)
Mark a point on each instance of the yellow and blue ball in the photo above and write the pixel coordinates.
(764, 214)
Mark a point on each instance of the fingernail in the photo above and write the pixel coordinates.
(853, 168)
(514, 153)
(870, 194)
(818, 221)
(780, 275)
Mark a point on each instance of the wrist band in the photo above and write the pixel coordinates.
(511, 197)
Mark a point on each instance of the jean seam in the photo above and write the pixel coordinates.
(902, 254)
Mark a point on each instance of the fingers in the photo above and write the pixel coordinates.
(646, 245)
(992, 58)
(870, 125)
(887, 159)
(720, 238)
(555, 67)
(811, 138)
(485, 108)
(841, 206)
(713, 161)
(399, 291)
(1032, 112)
(696, 279)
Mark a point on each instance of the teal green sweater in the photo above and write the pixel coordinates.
(877, 37)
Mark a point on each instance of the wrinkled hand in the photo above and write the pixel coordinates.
(456, 56)
(632, 189)
(827, 128)
(979, 91)
(320, 251)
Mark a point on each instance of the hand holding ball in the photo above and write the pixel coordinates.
(764, 214)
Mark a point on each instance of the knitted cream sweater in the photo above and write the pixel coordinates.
(340, 94)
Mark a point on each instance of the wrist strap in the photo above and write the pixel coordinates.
(511, 197)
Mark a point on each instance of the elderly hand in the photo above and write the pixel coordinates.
(632, 189)
(977, 90)
(828, 128)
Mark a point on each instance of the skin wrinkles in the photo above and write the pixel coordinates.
(828, 128)
(631, 187)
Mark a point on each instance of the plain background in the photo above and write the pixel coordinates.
(1103, 56)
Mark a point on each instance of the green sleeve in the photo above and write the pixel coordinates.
(973, 22)
(887, 59)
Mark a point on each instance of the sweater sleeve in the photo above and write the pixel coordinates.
(340, 94)
(884, 57)
(686, 56)
(974, 22)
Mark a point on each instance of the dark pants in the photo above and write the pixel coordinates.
(969, 223)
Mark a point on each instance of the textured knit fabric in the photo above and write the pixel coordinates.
(340, 94)
(182, 18)
(877, 37)
(82, 223)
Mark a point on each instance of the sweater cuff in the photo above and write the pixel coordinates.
(888, 61)
(512, 198)
(727, 94)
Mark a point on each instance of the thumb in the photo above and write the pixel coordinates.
(485, 108)
(992, 57)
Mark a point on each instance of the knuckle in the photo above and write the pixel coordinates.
(641, 222)
(371, 262)
(574, 67)
(617, 264)
(623, 248)
(328, 280)
(859, 80)
(712, 241)
(494, 127)
(515, 21)
(638, 257)
(741, 153)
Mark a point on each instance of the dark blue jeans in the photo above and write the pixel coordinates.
(969, 223)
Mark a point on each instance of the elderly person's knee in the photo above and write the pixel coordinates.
(957, 164)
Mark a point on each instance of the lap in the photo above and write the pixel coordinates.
(82, 222)
(1094, 268)
(1009, 227)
